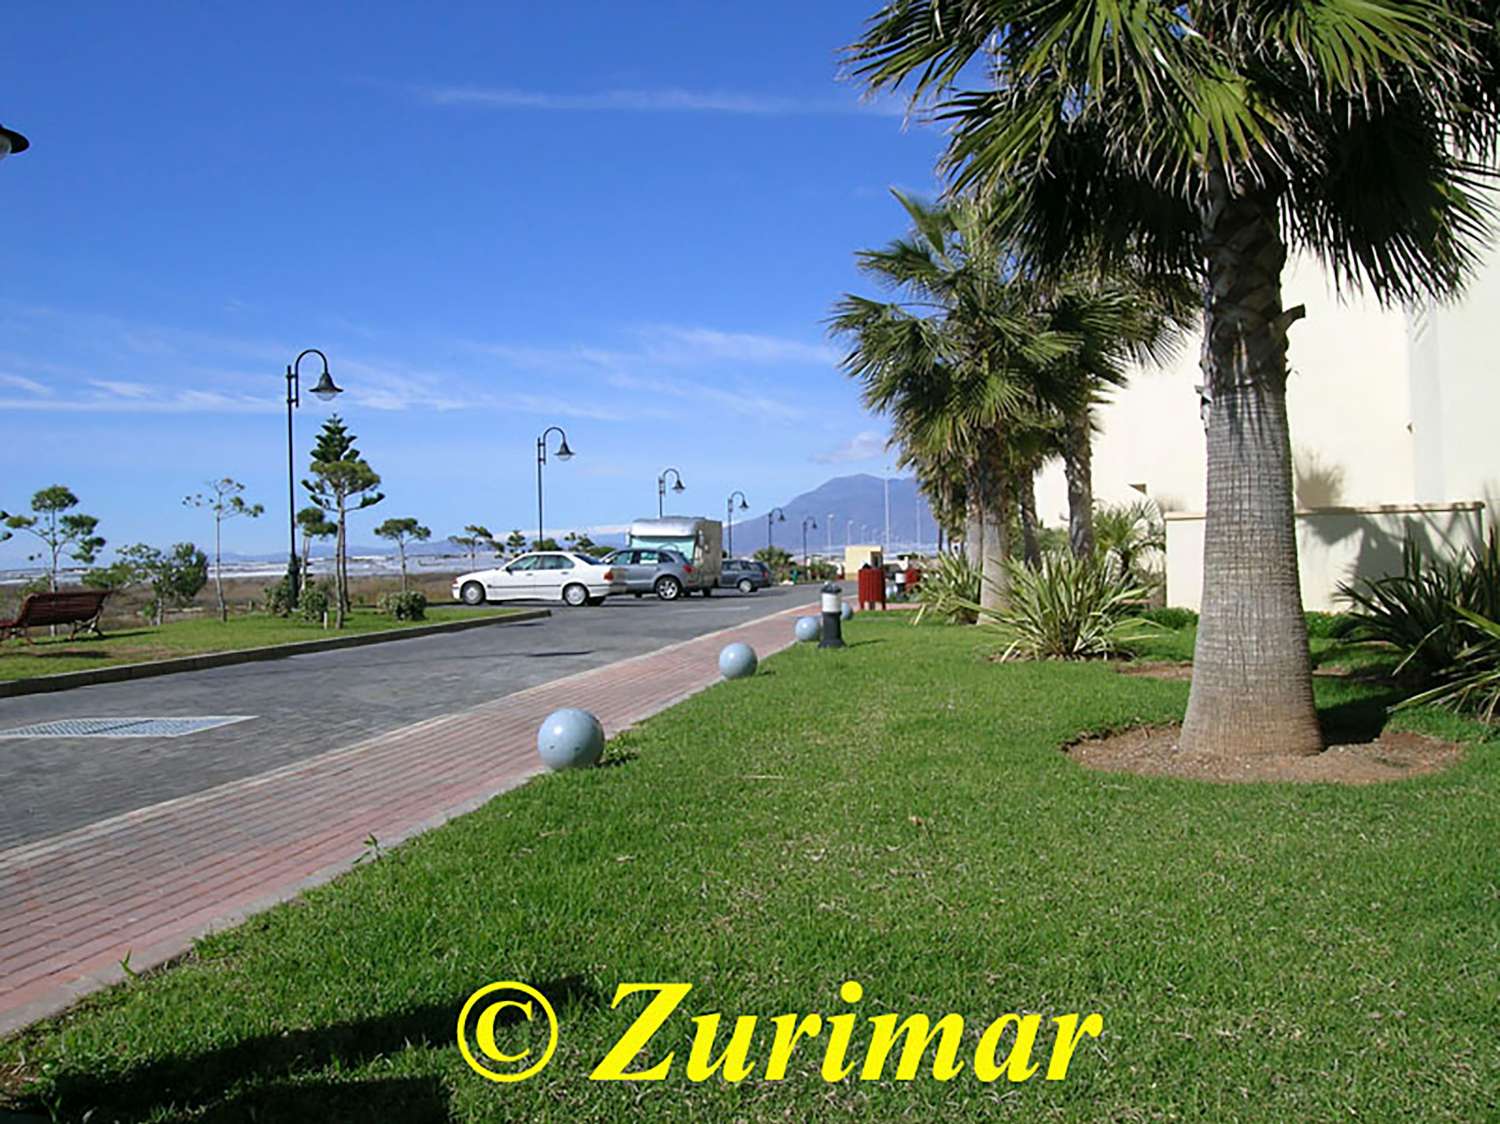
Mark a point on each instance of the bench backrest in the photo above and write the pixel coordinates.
(64, 607)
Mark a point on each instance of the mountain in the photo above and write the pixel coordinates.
(860, 498)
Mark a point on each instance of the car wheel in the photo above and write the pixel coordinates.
(472, 593)
(746, 586)
(668, 589)
(575, 595)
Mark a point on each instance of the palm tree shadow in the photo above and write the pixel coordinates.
(271, 1063)
(1357, 720)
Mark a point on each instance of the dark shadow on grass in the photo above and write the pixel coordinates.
(1357, 720)
(623, 758)
(271, 1063)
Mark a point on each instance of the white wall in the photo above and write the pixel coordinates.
(1347, 398)
(1335, 545)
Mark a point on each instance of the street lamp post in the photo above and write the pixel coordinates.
(563, 454)
(729, 516)
(661, 489)
(12, 142)
(828, 527)
(327, 391)
(807, 522)
(775, 515)
(849, 532)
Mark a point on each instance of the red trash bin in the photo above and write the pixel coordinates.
(871, 587)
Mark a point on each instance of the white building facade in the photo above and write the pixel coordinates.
(1394, 434)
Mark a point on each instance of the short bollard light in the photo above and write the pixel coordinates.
(833, 616)
(808, 628)
(570, 739)
(847, 612)
(737, 661)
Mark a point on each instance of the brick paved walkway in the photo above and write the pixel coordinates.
(149, 882)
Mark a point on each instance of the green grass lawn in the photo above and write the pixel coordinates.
(897, 813)
(144, 643)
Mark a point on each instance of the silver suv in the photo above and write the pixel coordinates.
(665, 573)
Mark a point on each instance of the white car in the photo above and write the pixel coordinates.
(547, 575)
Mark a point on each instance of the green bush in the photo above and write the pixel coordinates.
(1068, 609)
(1172, 618)
(1328, 626)
(409, 606)
(278, 597)
(1423, 611)
(949, 590)
(1472, 681)
(315, 603)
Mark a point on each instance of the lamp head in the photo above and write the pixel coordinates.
(744, 506)
(563, 452)
(678, 487)
(326, 389)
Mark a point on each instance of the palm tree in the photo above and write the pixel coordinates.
(1212, 139)
(950, 360)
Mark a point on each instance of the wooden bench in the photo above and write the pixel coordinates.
(77, 608)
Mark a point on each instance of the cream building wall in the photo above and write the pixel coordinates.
(1393, 421)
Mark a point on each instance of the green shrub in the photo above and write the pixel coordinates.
(1472, 681)
(1422, 611)
(949, 590)
(279, 599)
(315, 603)
(1068, 609)
(1328, 626)
(1172, 618)
(409, 606)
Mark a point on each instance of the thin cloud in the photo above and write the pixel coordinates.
(678, 345)
(744, 404)
(31, 386)
(867, 445)
(651, 101)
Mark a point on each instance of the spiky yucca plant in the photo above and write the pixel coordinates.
(1068, 609)
(949, 590)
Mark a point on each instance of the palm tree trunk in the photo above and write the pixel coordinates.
(995, 528)
(1078, 468)
(1252, 677)
(1026, 503)
(974, 520)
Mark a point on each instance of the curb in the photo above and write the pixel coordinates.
(119, 673)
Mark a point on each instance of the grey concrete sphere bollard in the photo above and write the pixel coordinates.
(737, 661)
(847, 612)
(570, 739)
(808, 628)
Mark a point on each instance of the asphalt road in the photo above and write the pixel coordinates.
(309, 704)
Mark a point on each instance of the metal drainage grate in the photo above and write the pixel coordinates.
(123, 727)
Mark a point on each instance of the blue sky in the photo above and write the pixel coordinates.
(629, 219)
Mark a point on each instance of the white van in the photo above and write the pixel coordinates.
(699, 540)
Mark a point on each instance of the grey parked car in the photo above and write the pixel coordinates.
(665, 573)
(744, 574)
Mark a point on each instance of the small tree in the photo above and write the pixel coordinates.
(175, 577)
(313, 523)
(62, 531)
(515, 542)
(777, 560)
(342, 482)
(466, 543)
(482, 536)
(401, 532)
(223, 498)
(545, 544)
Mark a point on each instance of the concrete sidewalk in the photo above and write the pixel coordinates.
(147, 883)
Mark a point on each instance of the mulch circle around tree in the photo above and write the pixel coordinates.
(1152, 752)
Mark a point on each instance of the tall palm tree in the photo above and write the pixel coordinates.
(1215, 138)
(948, 361)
